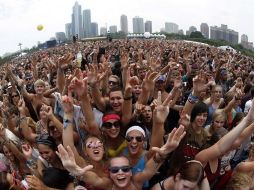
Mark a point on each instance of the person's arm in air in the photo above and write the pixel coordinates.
(127, 103)
(153, 164)
(226, 142)
(147, 87)
(69, 162)
(92, 79)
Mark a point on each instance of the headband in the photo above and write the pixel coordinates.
(110, 116)
(137, 128)
(47, 141)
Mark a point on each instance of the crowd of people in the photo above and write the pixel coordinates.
(130, 115)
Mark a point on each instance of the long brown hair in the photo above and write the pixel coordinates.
(192, 171)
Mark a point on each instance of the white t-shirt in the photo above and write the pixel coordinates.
(247, 106)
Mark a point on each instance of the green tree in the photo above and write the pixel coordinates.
(196, 34)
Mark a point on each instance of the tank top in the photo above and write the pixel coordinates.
(139, 167)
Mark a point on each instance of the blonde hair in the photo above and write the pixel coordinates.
(251, 151)
(39, 82)
(219, 113)
(238, 181)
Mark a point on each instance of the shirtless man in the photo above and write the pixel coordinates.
(38, 98)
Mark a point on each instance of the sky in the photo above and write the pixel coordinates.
(19, 18)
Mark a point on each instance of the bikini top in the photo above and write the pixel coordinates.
(116, 152)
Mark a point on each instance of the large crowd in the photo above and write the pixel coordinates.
(129, 115)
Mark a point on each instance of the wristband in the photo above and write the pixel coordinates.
(193, 99)
(66, 123)
(31, 164)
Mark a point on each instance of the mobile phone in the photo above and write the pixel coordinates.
(25, 184)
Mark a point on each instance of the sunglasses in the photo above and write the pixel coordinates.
(116, 169)
(112, 82)
(15, 95)
(109, 125)
(138, 138)
(28, 79)
(96, 144)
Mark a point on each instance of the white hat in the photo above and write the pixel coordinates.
(137, 128)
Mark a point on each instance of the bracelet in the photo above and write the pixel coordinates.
(127, 98)
(31, 164)
(193, 99)
(67, 122)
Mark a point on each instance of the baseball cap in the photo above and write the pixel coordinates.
(28, 76)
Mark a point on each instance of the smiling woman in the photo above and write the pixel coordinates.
(48, 158)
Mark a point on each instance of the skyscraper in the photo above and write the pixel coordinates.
(113, 29)
(223, 33)
(244, 41)
(87, 23)
(171, 27)
(60, 37)
(77, 21)
(68, 31)
(148, 26)
(94, 29)
(138, 25)
(244, 38)
(103, 31)
(124, 24)
(204, 29)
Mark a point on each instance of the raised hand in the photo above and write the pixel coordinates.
(173, 141)
(27, 151)
(21, 104)
(199, 83)
(48, 111)
(239, 83)
(104, 70)
(67, 102)
(139, 108)
(35, 183)
(124, 60)
(153, 63)
(69, 163)
(178, 82)
(211, 81)
(161, 110)
(78, 84)
(92, 74)
(131, 81)
(65, 60)
(149, 80)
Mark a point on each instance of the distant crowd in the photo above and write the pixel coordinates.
(127, 115)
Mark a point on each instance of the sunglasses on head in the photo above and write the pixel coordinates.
(96, 144)
(138, 138)
(109, 125)
(116, 169)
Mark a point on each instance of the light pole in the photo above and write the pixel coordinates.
(20, 46)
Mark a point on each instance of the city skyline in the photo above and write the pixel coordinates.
(15, 17)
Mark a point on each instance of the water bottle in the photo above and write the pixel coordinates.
(79, 59)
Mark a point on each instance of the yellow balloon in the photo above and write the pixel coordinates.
(40, 27)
